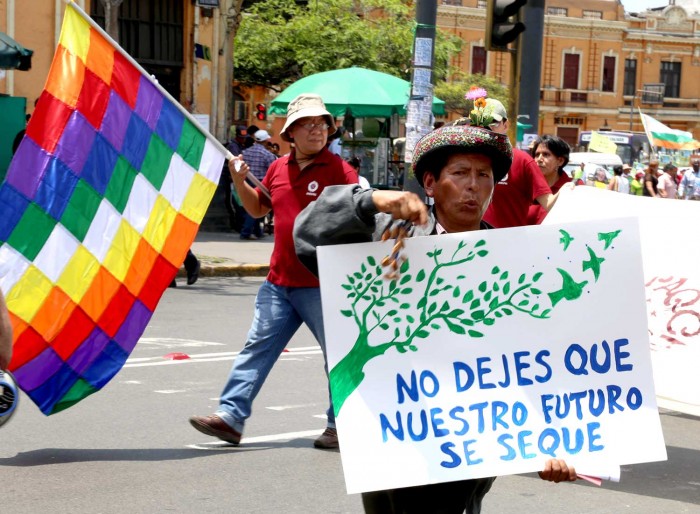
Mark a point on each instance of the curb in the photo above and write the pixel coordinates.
(230, 270)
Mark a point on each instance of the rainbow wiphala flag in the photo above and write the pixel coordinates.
(101, 202)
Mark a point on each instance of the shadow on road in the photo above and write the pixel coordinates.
(677, 478)
(52, 456)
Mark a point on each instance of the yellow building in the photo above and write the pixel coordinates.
(597, 62)
(186, 45)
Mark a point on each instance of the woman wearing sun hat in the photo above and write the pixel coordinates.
(290, 295)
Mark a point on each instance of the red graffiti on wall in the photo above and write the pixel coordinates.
(674, 312)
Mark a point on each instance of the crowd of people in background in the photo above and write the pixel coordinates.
(655, 183)
(525, 194)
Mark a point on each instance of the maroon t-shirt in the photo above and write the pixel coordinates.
(514, 194)
(291, 190)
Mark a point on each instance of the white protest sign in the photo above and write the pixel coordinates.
(493, 351)
(670, 255)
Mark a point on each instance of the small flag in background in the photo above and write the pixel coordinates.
(101, 202)
(665, 137)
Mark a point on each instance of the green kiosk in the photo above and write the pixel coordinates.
(13, 56)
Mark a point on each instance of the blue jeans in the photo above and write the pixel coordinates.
(279, 312)
(251, 226)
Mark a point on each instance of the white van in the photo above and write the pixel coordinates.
(604, 160)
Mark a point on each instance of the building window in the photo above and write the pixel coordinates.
(481, 4)
(152, 33)
(240, 109)
(452, 2)
(571, 70)
(557, 11)
(630, 85)
(608, 73)
(671, 76)
(478, 60)
(592, 15)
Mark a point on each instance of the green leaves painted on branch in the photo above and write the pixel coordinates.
(442, 304)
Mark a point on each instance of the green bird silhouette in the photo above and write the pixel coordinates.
(608, 237)
(593, 264)
(565, 238)
(570, 289)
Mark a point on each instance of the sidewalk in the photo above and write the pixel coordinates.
(224, 254)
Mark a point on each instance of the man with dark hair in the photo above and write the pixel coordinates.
(236, 142)
(458, 166)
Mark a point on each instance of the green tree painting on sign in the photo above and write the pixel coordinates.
(380, 307)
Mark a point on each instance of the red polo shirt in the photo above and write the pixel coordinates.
(514, 194)
(291, 190)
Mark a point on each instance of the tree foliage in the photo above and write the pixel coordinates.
(453, 92)
(280, 41)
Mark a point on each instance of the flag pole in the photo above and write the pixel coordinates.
(649, 136)
(256, 182)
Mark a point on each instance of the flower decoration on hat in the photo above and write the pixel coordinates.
(482, 114)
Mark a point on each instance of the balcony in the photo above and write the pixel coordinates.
(569, 97)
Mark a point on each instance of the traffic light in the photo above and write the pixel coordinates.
(261, 111)
(501, 30)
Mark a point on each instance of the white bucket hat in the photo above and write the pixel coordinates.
(261, 135)
(306, 105)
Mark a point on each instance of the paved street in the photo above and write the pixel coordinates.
(129, 448)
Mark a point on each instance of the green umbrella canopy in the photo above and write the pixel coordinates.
(354, 91)
(13, 55)
(520, 130)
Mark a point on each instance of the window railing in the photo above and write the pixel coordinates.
(569, 96)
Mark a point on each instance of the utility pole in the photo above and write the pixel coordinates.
(230, 24)
(531, 61)
(514, 90)
(419, 112)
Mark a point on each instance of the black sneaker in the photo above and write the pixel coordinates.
(193, 275)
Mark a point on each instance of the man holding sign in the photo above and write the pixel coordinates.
(458, 166)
